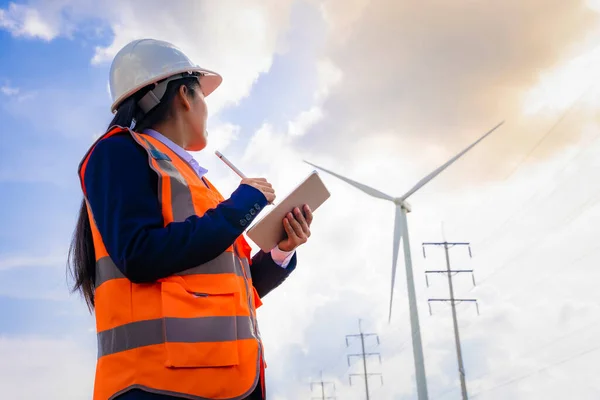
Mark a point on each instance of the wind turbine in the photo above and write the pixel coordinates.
(401, 231)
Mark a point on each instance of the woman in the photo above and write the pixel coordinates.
(159, 254)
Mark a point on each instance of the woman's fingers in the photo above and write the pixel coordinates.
(288, 228)
(299, 233)
(308, 214)
(265, 189)
(263, 186)
(302, 221)
(297, 227)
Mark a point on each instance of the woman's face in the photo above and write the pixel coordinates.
(197, 118)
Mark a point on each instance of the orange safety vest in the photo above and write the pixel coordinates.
(194, 334)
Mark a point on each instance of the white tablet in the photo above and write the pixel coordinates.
(268, 231)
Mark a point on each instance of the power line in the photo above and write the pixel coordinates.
(529, 351)
(553, 177)
(593, 200)
(562, 337)
(536, 349)
(552, 129)
(323, 386)
(364, 356)
(333, 365)
(549, 131)
(545, 368)
(528, 247)
(573, 262)
(547, 276)
(577, 212)
(553, 341)
(449, 272)
(336, 362)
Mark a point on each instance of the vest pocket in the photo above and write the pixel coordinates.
(200, 329)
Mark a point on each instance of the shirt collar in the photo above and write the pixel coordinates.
(180, 151)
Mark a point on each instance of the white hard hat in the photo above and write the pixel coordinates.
(144, 62)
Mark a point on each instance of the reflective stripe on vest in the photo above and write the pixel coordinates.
(184, 330)
(175, 336)
(226, 263)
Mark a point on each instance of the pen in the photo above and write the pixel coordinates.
(233, 167)
(230, 165)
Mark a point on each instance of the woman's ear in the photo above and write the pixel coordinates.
(184, 98)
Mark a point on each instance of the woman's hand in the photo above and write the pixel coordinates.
(261, 184)
(297, 227)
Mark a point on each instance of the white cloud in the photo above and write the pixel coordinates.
(51, 260)
(16, 93)
(428, 71)
(9, 90)
(342, 15)
(304, 121)
(564, 85)
(29, 368)
(536, 274)
(221, 136)
(31, 277)
(535, 302)
(240, 52)
(22, 20)
(239, 44)
(329, 75)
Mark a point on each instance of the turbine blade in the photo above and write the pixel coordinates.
(398, 231)
(435, 173)
(368, 190)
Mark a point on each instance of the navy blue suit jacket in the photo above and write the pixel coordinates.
(122, 191)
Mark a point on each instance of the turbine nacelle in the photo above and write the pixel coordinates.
(399, 201)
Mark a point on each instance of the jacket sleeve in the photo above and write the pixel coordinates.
(122, 194)
(266, 274)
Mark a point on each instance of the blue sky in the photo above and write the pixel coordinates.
(39, 188)
(359, 87)
(54, 101)
(47, 127)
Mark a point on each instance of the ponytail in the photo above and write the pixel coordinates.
(81, 261)
(125, 115)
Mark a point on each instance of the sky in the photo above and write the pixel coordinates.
(378, 90)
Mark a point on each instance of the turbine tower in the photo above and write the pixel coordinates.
(401, 231)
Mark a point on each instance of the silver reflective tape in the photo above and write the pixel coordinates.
(224, 263)
(245, 266)
(179, 330)
(106, 270)
(181, 197)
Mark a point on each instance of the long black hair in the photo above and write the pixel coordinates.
(81, 262)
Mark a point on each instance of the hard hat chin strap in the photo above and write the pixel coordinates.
(155, 95)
